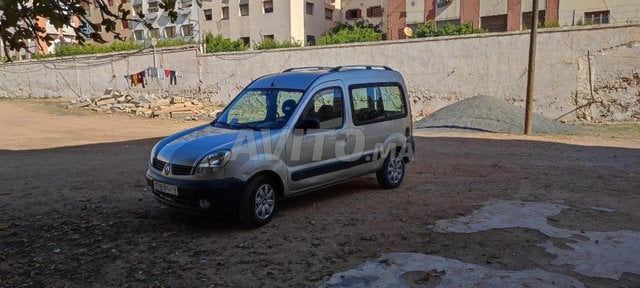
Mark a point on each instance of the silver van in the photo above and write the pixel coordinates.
(285, 134)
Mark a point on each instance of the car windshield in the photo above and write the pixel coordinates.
(260, 109)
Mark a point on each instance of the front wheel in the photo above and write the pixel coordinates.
(392, 172)
(258, 203)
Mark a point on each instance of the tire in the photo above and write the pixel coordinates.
(259, 202)
(392, 172)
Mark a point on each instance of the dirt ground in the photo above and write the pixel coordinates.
(75, 210)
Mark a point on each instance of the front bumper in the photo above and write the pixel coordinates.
(222, 194)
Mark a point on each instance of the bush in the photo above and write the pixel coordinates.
(219, 44)
(77, 49)
(173, 42)
(268, 43)
(430, 29)
(343, 33)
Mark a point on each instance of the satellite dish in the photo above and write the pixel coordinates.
(408, 31)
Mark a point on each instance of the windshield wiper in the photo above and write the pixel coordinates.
(246, 125)
(222, 123)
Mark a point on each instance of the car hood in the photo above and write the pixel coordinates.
(187, 147)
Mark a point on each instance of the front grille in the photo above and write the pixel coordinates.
(180, 169)
(182, 200)
(175, 168)
(158, 164)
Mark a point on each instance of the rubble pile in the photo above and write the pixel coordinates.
(148, 106)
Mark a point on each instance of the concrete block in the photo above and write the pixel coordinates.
(105, 101)
(181, 114)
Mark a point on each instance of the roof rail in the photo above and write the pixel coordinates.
(361, 66)
(307, 68)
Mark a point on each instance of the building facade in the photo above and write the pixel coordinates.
(283, 20)
(513, 15)
(185, 27)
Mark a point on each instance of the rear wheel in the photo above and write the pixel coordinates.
(392, 172)
(258, 203)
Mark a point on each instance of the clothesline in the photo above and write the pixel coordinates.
(158, 73)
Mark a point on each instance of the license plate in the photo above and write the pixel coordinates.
(166, 188)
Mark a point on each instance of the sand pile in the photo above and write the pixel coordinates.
(487, 114)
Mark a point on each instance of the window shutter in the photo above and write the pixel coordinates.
(358, 13)
(369, 12)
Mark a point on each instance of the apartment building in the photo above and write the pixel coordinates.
(389, 15)
(186, 26)
(513, 15)
(95, 15)
(577, 12)
(253, 20)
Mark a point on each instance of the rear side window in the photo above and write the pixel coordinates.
(377, 102)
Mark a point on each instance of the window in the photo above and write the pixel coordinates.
(137, 9)
(154, 33)
(170, 32)
(526, 19)
(244, 9)
(110, 2)
(454, 22)
(309, 8)
(225, 13)
(187, 30)
(375, 11)
(311, 40)
(327, 105)
(377, 102)
(125, 24)
(270, 36)
(599, 17)
(267, 7)
(186, 3)
(353, 14)
(208, 14)
(246, 40)
(153, 7)
(138, 34)
(328, 14)
(496, 23)
(262, 108)
(225, 1)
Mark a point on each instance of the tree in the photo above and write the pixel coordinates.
(346, 33)
(19, 19)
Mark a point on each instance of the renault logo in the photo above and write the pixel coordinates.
(167, 169)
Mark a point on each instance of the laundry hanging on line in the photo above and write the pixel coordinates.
(158, 73)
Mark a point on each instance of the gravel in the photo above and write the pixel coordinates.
(487, 114)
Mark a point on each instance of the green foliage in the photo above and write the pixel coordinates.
(551, 24)
(173, 42)
(219, 44)
(72, 50)
(430, 29)
(343, 33)
(268, 43)
(581, 22)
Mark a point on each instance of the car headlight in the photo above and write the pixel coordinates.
(213, 162)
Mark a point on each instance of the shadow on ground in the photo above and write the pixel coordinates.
(81, 216)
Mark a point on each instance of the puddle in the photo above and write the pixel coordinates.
(390, 269)
(591, 253)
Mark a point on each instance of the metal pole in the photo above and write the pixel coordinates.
(532, 69)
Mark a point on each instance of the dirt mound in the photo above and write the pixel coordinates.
(488, 114)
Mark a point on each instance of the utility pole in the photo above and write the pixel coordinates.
(531, 75)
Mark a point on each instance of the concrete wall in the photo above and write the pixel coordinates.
(438, 71)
